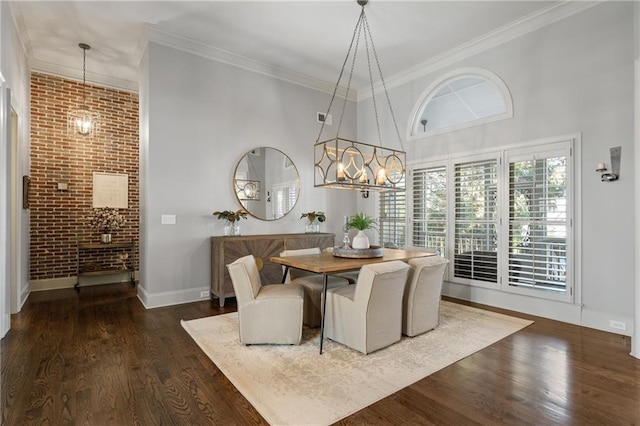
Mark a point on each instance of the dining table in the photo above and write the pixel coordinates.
(327, 263)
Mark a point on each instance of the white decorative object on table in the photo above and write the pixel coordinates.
(360, 241)
(360, 221)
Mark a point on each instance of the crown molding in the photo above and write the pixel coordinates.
(71, 73)
(532, 22)
(227, 57)
(21, 29)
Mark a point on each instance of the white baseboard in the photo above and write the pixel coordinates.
(601, 321)
(168, 298)
(52, 283)
(69, 282)
(558, 311)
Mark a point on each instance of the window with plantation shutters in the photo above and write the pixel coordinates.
(538, 224)
(504, 218)
(392, 224)
(475, 220)
(283, 198)
(429, 207)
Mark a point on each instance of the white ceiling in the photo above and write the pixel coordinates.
(308, 38)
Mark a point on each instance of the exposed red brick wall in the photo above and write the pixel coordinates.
(59, 218)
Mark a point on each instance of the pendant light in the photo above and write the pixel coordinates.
(82, 122)
(346, 164)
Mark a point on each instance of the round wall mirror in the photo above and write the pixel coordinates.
(266, 183)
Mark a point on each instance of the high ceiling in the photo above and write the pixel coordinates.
(309, 38)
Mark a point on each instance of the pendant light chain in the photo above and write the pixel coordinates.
(362, 25)
(373, 94)
(357, 30)
(84, 73)
(344, 64)
(384, 85)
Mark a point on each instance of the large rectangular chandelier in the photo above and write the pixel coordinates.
(347, 164)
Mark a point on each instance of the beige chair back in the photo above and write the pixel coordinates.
(245, 278)
(421, 300)
(378, 296)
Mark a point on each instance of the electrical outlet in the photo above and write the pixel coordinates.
(204, 293)
(168, 219)
(620, 325)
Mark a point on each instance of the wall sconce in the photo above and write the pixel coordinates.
(615, 154)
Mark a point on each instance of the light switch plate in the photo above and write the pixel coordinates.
(168, 219)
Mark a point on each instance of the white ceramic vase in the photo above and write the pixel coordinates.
(360, 241)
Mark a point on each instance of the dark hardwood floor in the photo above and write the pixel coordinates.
(100, 358)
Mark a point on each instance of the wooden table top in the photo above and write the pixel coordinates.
(327, 262)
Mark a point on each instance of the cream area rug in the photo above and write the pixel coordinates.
(295, 385)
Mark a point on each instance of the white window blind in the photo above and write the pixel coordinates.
(429, 207)
(283, 199)
(475, 220)
(392, 224)
(538, 221)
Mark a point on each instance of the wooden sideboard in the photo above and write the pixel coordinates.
(225, 250)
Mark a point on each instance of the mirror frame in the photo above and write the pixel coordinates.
(262, 192)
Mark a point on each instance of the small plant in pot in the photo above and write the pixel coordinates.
(361, 222)
(231, 228)
(314, 219)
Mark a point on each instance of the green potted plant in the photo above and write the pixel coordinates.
(361, 222)
(231, 228)
(314, 219)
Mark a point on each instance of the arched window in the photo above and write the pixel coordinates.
(462, 98)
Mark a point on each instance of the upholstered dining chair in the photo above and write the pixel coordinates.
(421, 300)
(352, 276)
(313, 286)
(266, 313)
(368, 316)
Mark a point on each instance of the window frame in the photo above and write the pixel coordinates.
(571, 144)
(451, 214)
(435, 86)
(566, 147)
(410, 211)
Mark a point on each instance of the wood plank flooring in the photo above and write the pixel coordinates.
(100, 358)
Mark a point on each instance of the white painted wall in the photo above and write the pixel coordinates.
(201, 117)
(14, 259)
(569, 77)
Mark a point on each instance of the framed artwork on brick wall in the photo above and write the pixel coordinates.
(111, 190)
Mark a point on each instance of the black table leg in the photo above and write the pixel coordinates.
(324, 307)
(284, 276)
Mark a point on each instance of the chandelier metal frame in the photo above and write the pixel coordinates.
(347, 164)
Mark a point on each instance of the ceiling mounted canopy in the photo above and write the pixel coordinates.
(81, 121)
(346, 164)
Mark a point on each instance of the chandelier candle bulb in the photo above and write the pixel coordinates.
(381, 176)
(363, 177)
(341, 172)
